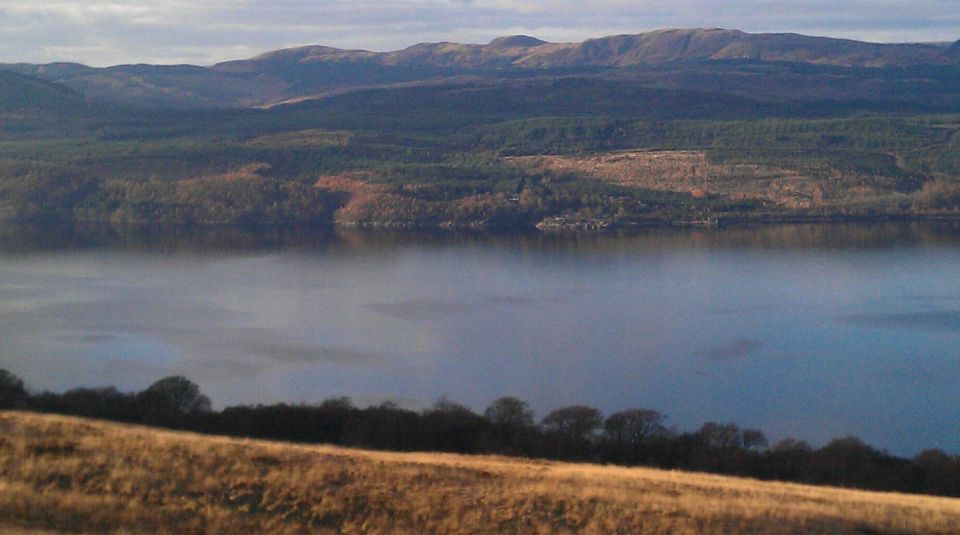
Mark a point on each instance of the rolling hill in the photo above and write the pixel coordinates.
(62, 474)
(34, 108)
(26, 94)
(307, 71)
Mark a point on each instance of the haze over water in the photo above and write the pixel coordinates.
(805, 331)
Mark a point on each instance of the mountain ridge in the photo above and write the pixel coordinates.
(301, 72)
(657, 46)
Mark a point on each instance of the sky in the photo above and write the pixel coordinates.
(203, 32)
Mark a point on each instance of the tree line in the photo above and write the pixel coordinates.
(630, 437)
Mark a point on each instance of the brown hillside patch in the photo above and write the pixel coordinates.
(348, 183)
(125, 479)
(360, 198)
(246, 173)
(691, 172)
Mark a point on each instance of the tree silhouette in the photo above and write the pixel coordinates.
(573, 429)
(626, 432)
(12, 392)
(754, 439)
(789, 459)
(632, 426)
(509, 412)
(450, 426)
(940, 473)
(511, 426)
(849, 461)
(720, 436)
(174, 395)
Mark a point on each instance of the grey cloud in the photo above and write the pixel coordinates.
(89, 338)
(292, 353)
(419, 308)
(207, 367)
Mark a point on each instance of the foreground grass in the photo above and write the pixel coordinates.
(61, 474)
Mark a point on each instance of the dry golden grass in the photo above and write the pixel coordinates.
(62, 474)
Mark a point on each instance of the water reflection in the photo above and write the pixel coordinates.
(812, 331)
(153, 238)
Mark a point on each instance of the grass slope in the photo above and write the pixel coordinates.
(60, 474)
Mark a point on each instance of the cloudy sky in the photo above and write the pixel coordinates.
(107, 32)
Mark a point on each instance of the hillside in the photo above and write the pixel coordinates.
(35, 108)
(670, 127)
(484, 157)
(663, 46)
(60, 474)
(25, 94)
(305, 71)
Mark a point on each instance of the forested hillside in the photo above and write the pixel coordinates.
(670, 127)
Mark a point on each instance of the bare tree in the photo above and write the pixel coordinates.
(633, 426)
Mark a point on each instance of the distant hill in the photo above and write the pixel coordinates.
(20, 93)
(716, 44)
(304, 72)
(37, 108)
(465, 104)
(661, 46)
(155, 86)
(953, 52)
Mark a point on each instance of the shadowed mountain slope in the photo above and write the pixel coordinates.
(20, 93)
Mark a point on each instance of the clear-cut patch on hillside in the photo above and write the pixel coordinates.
(695, 172)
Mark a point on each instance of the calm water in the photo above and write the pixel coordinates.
(807, 331)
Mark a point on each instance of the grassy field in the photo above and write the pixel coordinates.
(60, 474)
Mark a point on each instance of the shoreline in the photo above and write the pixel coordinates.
(549, 225)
